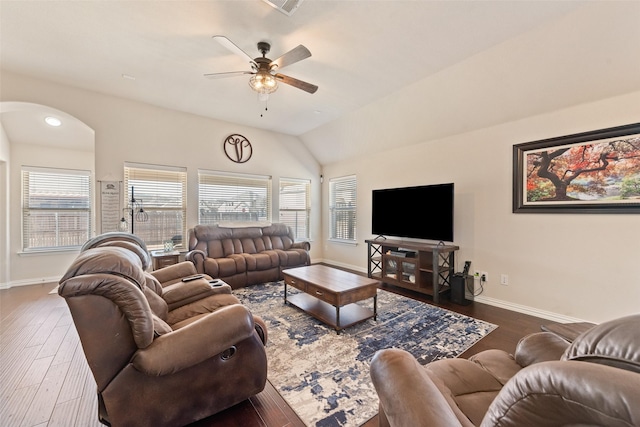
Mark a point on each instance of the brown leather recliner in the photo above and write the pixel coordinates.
(594, 381)
(156, 366)
(170, 297)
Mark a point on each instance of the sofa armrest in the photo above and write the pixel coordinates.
(183, 293)
(567, 393)
(540, 347)
(196, 342)
(175, 272)
(197, 257)
(302, 245)
(407, 395)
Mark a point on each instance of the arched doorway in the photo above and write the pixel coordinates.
(27, 140)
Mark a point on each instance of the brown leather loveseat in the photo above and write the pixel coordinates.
(246, 255)
(593, 381)
(156, 363)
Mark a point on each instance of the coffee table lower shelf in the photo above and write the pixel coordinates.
(336, 317)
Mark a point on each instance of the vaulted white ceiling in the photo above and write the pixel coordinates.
(364, 54)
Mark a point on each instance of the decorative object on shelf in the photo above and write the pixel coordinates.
(590, 172)
(237, 148)
(135, 211)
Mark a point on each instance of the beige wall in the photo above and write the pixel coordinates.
(559, 266)
(27, 268)
(132, 131)
(4, 206)
(562, 266)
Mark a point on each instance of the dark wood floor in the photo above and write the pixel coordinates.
(45, 381)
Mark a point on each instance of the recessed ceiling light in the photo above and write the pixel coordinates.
(53, 121)
(128, 77)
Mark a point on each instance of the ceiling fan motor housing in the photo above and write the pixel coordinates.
(264, 48)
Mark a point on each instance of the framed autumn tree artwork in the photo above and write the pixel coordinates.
(590, 172)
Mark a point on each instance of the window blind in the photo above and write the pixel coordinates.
(161, 191)
(56, 208)
(342, 208)
(233, 197)
(295, 206)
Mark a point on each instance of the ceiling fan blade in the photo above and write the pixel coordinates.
(294, 55)
(233, 48)
(227, 74)
(307, 87)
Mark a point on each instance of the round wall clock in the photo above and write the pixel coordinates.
(237, 148)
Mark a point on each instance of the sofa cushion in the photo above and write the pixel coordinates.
(500, 364)
(615, 343)
(108, 260)
(292, 257)
(262, 261)
(230, 265)
(160, 327)
(124, 240)
(466, 383)
(158, 305)
(181, 316)
(540, 347)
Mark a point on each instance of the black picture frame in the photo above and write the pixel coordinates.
(607, 161)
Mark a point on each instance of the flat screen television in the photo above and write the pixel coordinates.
(422, 212)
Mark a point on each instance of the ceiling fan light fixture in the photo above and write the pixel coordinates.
(263, 83)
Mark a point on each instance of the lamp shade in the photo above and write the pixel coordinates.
(263, 83)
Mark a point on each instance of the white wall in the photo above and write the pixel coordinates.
(569, 266)
(27, 268)
(131, 131)
(5, 151)
(582, 266)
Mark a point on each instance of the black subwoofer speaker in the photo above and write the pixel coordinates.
(458, 287)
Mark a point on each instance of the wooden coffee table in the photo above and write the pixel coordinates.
(329, 294)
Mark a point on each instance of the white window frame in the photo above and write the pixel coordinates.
(343, 196)
(63, 198)
(295, 206)
(231, 197)
(161, 191)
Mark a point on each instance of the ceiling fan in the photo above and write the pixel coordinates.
(264, 78)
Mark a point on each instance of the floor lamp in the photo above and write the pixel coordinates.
(135, 211)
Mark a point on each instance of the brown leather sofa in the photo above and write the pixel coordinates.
(594, 381)
(160, 363)
(247, 255)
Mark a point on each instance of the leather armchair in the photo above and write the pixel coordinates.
(156, 366)
(171, 298)
(595, 380)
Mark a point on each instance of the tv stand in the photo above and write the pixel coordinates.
(422, 267)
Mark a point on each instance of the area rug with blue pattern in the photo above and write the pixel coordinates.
(324, 376)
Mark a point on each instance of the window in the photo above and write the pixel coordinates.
(161, 193)
(233, 197)
(56, 208)
(342, 208)
(295, 206)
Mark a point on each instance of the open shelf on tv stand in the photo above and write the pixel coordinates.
(422, 267)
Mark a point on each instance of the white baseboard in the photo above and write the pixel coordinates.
(531, 311)
(338, 264)
(27, 282)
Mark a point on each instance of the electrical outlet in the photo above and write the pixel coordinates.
(481, 276)
(504, 279)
